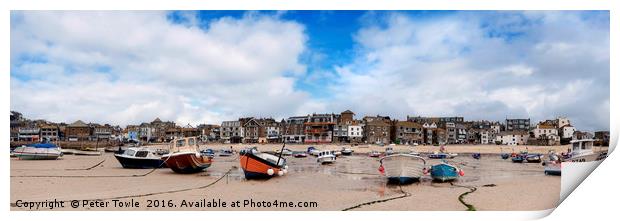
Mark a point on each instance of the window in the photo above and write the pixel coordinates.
(180, 143)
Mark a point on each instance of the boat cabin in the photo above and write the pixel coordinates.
(582, 147)
(326, 153)
(185, 144)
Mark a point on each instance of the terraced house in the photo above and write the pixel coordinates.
(377, 129)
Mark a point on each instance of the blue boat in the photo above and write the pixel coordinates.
(476, 156)
(505, 156)
(445, 172)
(518, 159)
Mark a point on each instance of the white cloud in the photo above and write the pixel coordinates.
(128, 67)
(481, 66)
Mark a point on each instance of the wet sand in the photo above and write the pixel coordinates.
(353, 182)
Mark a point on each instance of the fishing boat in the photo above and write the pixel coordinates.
(389, 150)
(533, 158)
(518, 159)
(258, 165)
(208, 152)
(313, 151)
(553, 165)
(374, 153)
(225, 153)
(285, 152)
(185, 156)
(505, 156)
(346, 151)
(402, 168)
(326, 157)
(140, 158)
(442, 155)
(445, 172)
(38, 151)
(299, 154)
(476, 156)
(582, 151)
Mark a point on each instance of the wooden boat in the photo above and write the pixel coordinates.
(185, 156)
(553, 165)
(299, 154)
(38, 151)
(533, 158)
(326, 157)
(445, 172)
(87, 152)
(374, 153)
(140, 158)
(476, 156)
(402, 168)
(518, 159)
(257, 165)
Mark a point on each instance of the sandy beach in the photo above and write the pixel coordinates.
(352, 183)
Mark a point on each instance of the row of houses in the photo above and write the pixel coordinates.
(315, 128)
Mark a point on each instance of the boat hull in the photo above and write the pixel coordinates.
(553, 169)
(444, 172)
(255, 167)
(326, 159)
(403, 168)
(31, 153)
(186, 162)
(139, 163)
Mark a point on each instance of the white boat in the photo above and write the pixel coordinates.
(336, 153)
(325, 157)
(402, 168)
(346, 151)
(582, 151)
(285, 152)
(39, 151)
(389, 150)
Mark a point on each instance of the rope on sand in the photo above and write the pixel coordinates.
(88, 168)
(405, 194)
(471, 190)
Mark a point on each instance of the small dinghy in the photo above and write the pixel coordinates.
(285, 152)
(518, 159)
(299, 154)
(346, 151)
(185, 156)
(326, 157)
(208, 152)
(533, 158)
(475, 156)
(313, 151)
(38, 151)
(505, 156)
(140, 158)
(258, 165)
(443, 172)
(441, 156)
(225, 153)
(553, 165)
(374, 153)
(402, 168)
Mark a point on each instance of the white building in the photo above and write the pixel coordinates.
(562, 121)
(512, 137)
(567, 131)
(231, 131)
(355, 131)
(545, 129)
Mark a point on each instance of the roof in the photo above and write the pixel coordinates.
(348, 112)
(78, 123)
(545, 126)
(514, 132)
(157, 120)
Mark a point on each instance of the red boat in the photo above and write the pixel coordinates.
(185, 156)
(257, 165)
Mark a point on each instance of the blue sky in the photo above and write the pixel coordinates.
(125, 67)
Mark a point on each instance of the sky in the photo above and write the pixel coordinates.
(192, 67)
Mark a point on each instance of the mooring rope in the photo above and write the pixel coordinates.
(88, 168)
(405, 194)
(471, 190)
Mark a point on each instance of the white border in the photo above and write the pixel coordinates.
(595, 198)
